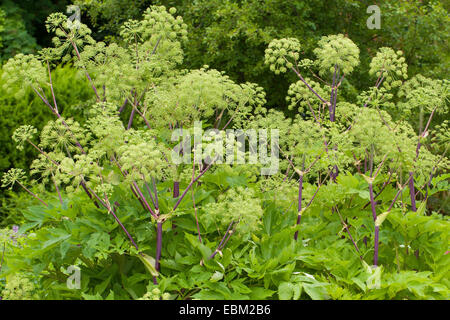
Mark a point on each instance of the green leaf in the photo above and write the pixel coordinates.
(217, 276)
(316, 291)
(380, 218)
(149, 263)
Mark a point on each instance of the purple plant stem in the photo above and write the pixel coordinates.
(154, 215)
(335, 96)
(382, 188)
(151, 196)
(51, 87)
(34, 195)
(372, 202)
(223, 239)
(176, 189)
(377, 85)
(299, 210)
(155, 190)
(348, 232)
(230, 233)
(124, 229)
(375, 248)
(130, 121)
(310, 201)
(377, 228)
(43, 153)
(85, 70)
(44, 100)
(190, 185)
(83, 185)
(110, 210)
(307, 85)
(412, 192)
(124, 105)
(59, 116)
(351, 238)
(158, 245)
(124, 174)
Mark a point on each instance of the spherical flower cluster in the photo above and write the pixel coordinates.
(339, 51)
(104, 190)
(141, 160)
(67, 35)
(237, 204)
(305, 141)
(45, 168)
(251, 99)
(282, 54)
(63, 135)
(19, 287)
(300, 96)
(21, 72)
(12, 176)
(376, 97)
(77, 170)
(157, 21)
(156, 294)
(346, 112)
(421, 93)
(23, 134)
(369, 132)
(196, 95)
(440, 139)
(130, 31)
(256, 94)
(391, 66)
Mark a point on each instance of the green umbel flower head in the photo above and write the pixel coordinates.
(63, 135)
(22, 134)
(300, 96)
(391, 66)
(339, 51)
(238, 204)
(282, 54)
(421, 93)
(12, 176)
(21, 72)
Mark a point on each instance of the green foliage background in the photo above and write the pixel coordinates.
(231, 36)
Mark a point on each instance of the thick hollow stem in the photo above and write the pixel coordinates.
(176, 189)
(372, 202)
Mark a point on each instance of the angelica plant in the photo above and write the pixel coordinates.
(371, 136)
(202, 227)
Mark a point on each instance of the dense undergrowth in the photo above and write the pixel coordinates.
(344, 216)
